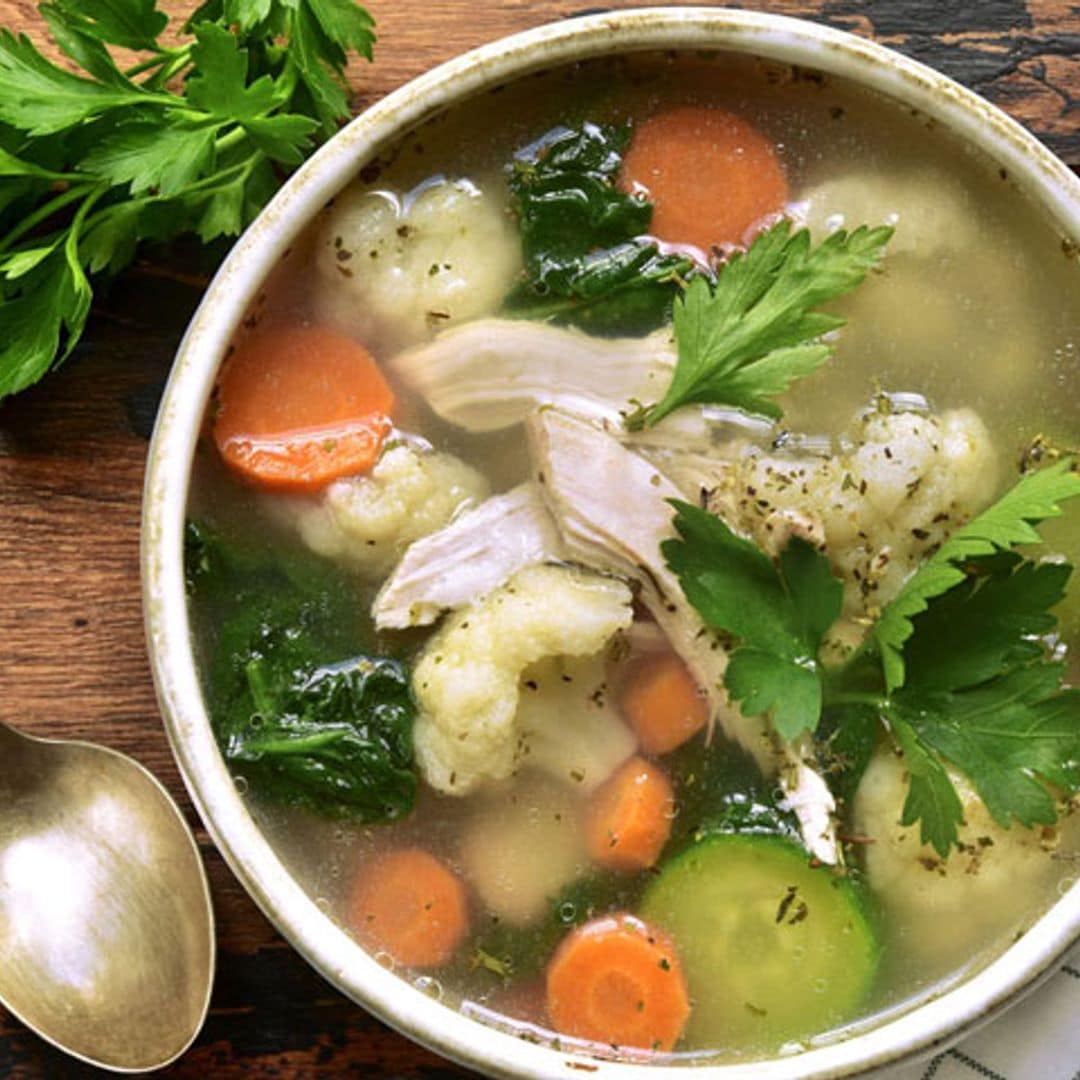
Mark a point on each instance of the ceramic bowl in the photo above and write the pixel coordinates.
(329, 949)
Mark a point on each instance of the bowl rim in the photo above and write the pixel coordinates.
(1029, 165)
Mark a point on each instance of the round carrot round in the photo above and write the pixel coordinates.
(629, 816)
(298, 407)
(712, 177)
(409, 904)
(662, 703)
(618, 980)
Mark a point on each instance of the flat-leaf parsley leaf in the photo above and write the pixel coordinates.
(744, 340)
(1009, 522)
(778, 613)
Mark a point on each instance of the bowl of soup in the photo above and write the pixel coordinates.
(606, 550)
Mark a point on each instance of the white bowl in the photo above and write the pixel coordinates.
(337, 956)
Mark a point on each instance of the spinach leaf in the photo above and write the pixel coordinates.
(586, 260)
(720, 789)
(337, 740)
(845, 742)
(294, 708)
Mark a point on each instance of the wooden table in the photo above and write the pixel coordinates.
(72, 659)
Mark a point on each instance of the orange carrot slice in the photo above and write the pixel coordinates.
(628, 819)
(711, 176)
(409, 904)
(618, 980)
(300, 406)
(662, 703)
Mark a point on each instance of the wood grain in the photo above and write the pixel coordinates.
(72, 659)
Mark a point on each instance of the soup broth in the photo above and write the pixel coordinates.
(970, 321)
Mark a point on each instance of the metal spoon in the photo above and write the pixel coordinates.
(106, 929)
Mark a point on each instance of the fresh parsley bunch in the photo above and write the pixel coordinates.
(959, 667)
(191, 137)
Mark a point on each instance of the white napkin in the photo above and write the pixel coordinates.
(1039, 1039)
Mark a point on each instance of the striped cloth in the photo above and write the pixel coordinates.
(1039, 1039)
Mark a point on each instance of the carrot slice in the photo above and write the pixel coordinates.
(409, 904)
(662, 703)
(711, 176)
(618, 980)
(628, 819)
(301, 406)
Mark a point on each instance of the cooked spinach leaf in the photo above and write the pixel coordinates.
(586, 260)
(720, 789)
(294, 708)
(845, 741)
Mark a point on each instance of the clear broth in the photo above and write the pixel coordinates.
(984, 315)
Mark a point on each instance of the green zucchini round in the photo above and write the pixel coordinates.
(774, 949)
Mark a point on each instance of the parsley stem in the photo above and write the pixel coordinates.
(160, 57)
(179, 61)
(228, 141)
(241, 169)
(852, 697)
(44, 212)
(71, 242)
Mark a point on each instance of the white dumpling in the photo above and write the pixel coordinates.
(522, 844)
(466, 679)
(392, 270)
(930, 208)
(946, 909)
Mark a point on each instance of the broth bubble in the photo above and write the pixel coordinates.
(430, 986)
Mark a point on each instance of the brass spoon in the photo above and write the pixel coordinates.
(106, 929)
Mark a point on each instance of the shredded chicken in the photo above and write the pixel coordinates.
(610, 508)
(477, 552)
(491, 373)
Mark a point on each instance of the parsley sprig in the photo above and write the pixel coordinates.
(743, 340)
(192, 137)
(1008, 523)
(777, 612)
(957, 667)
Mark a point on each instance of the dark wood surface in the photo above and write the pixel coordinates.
(72, 659)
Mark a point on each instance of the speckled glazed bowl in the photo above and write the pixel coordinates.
(336, 955)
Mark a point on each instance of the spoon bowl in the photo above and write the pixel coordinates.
(106, 928)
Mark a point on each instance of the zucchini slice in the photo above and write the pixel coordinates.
(774, 949)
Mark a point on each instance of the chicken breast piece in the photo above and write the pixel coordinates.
(477, 552)
(491, 373)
